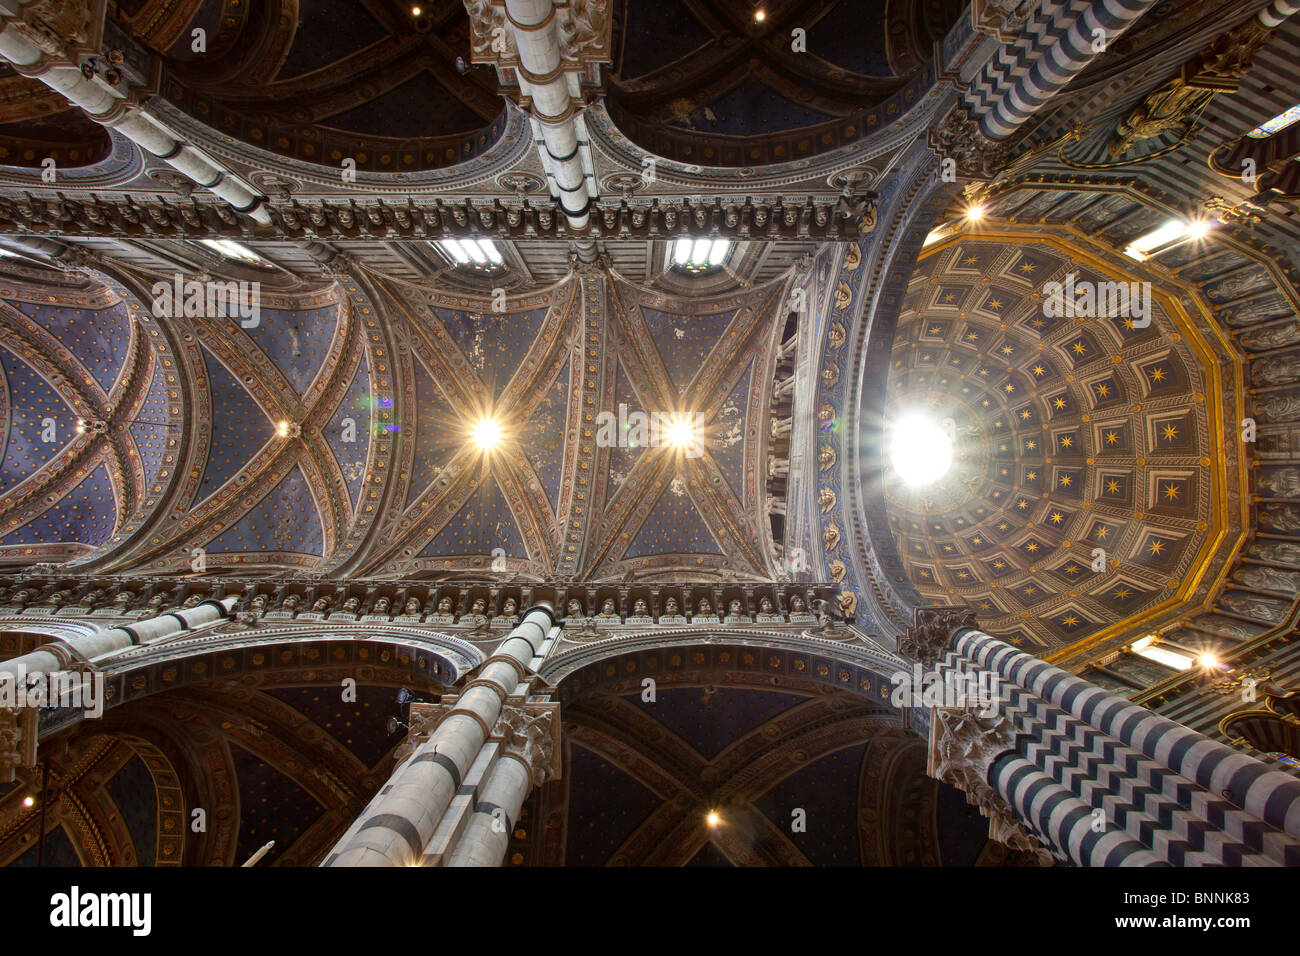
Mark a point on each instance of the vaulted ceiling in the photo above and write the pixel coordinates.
(800, 773)
(335, 432)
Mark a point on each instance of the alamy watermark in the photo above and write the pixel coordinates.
(1089, 300)
(638, 429)
(922, 688)
(193, 299)
(61, 689)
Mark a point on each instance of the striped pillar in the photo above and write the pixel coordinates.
(92, 647)
(1167, 793)
(400, 821)
(487, 834)
(1025, 74)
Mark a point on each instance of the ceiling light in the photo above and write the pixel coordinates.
(29, 802)
(921, 451)
(1208, 661)
(282, 429)
(760, 15)
(713, 819)
(415, 11)
(487, 433)
(975, 213)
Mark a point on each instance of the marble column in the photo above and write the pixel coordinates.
(1091, 777)
(401, 822)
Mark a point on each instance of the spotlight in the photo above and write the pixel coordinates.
(975, 213)
(29, 802)
(416, 11)
(760, 16)
(487, 434)
(1208, 661)
(713, 819)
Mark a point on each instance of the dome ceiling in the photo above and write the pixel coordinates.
(1087, 474)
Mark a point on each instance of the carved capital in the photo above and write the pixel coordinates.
(530, 733)
(959, 138)
(963, 746)
(932, 631)
(17, 740)
(1004, 19)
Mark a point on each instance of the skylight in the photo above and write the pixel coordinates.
(472, 253)
(233, 250)
(1147, 647)
(1279, 122)
(700, 255)
(1172, 233)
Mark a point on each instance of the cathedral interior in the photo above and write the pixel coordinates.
(621, 432)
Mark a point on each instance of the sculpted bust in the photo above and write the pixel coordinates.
(258, 603)
(352, 604)
(765, 606)
(444, 605)
(704, 607)
(478, 607)
(670, 607)
(607, 608)
(291, 602)
(639, 608)
(321, 604)
(412, 607)
(574, 608)
(734, 609)
(510, 608)
(382, 605)
(796, 605)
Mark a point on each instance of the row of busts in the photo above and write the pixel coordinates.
(703, 608)
(383, 606)
(122, 600)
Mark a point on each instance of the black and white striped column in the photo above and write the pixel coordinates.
(1105, 782)
(402, 818)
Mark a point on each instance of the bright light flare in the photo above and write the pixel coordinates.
(681, 432)
(29, 802)
(975, 213)
(1208, 661)
(713, 819)
(920, 450)
(760, 15)
(487, 433)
